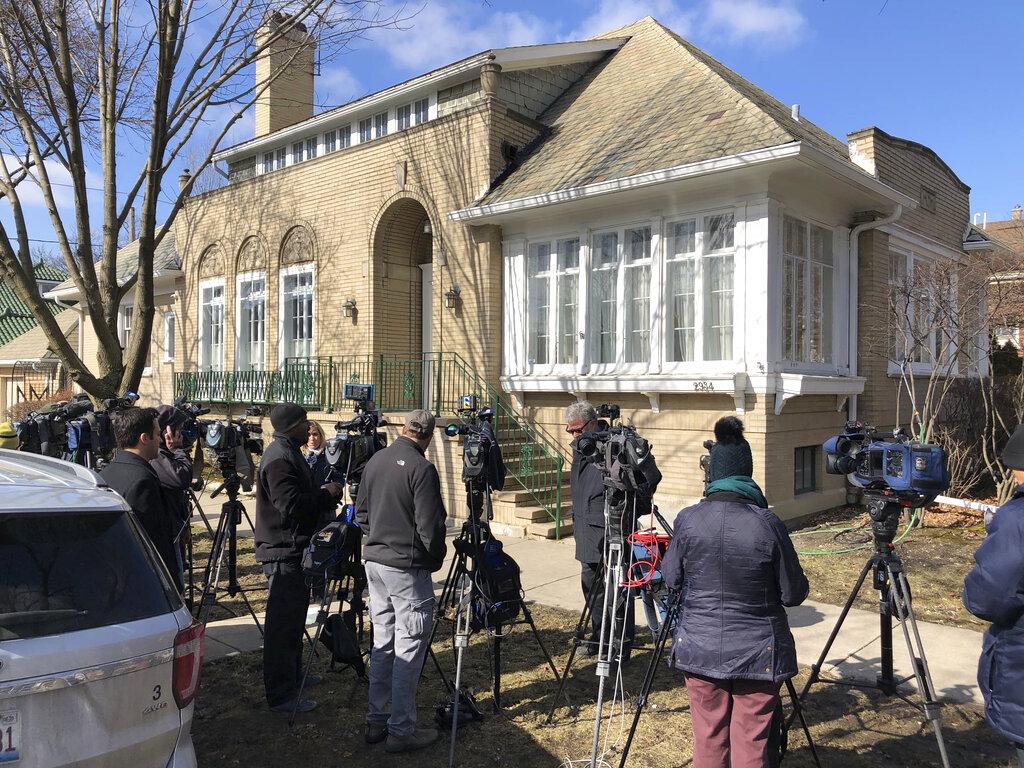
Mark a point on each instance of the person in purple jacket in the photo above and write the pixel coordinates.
(994, 591)
(736, 565)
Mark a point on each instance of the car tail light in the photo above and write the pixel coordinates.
(188, 658)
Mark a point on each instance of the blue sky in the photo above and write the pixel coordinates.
(941, 72)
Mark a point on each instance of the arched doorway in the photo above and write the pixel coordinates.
(403, 246)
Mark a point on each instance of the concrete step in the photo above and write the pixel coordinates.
(537, 514)
(521, 497)
(547, 530)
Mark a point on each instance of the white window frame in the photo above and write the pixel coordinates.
(345, 136)
(330, 141)
(280, 158)
(125, 315)
(551, 276)
(366, 122)
(281, 319)
(407, 108)
(268, 162)
(311, 148)
(203, 285)
(170, 336)
(912, 257)
(419, 117)
(380, 126)
(803, 364)
(246, 277)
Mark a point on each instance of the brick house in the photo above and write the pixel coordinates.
(622, 219)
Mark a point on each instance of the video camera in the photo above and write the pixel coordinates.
(233, 443)
(357, 439)
(73, 429)
(192, 427)
(624, 458)
(482, 463)
(893, 465)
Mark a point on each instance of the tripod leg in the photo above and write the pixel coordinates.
(606, 650)
(581, 628)
(321, 622)
(543, 649)
(497, 670)
(798, 711)
(645, 690)
(925, 687)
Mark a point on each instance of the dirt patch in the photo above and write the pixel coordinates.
(851, 728)
(835, 545)
(249, 573)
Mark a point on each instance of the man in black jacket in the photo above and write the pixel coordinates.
(586, 485)
(174, 468)
(289, 506)
(130, 474)
(403, 519)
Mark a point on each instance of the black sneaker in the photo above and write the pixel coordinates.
(295, 705)
(375, 733)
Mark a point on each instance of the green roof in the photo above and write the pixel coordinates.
(15, 316)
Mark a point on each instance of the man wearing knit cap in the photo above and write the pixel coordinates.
(289, 506)
(403, 519)
(994, 591)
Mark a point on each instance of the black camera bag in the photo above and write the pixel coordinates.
(331, 549)
(501, 592)
(339, 636)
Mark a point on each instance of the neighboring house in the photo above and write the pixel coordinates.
(1009, 283)
(27, 371)
(168, 282)
(622, 219)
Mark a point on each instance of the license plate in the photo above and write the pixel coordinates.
(10, 737)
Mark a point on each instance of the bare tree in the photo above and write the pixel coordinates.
(95, 81)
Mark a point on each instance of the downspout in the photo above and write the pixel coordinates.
(81, 324)
(855, 234)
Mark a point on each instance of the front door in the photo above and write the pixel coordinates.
(427, 286)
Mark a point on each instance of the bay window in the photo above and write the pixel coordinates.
(637, 295)
(297, 312)
(604, 289)
(552, 283)
(211, 325)
(252, 321)
(807, 305)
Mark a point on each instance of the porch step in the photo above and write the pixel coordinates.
(520, 497)
(547, 530)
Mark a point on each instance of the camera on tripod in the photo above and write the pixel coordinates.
(357, 439)
(192, 428)
(233, 443)
(622, 455)
(893, 465)
(481, 455)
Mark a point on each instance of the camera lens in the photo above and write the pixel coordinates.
(451, 430)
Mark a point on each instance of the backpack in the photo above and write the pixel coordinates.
(501, 592)
(8, 436)
(339, 635)
(331, 552)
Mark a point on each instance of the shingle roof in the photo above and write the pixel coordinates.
(1010, 233)
(656, 103)
(33, 345)
(15, 316)
(165, 257)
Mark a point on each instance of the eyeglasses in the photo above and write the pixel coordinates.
(576, 430)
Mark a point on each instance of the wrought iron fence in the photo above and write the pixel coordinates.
(435, 382)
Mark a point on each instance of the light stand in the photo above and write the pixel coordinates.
(890, 580)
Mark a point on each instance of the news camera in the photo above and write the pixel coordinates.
(356, 439)
(482, 463)
(192, 427)
(892, 465)
(232, 443)
(622, 455)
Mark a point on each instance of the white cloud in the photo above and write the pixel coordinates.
(444, 31)
(771, 23)
(336, 85)
(30, 194)
(612, 14)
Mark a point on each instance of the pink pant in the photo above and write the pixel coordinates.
(732, 722)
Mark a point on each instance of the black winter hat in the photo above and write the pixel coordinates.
(730, 454)
(287, 416)
(1013, 453)
(169, 416)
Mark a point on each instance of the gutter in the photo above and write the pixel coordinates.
(81, 321)
(852, 334)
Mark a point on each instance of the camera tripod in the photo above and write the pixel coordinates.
(225, 541)
(889, 578)
(462, 592)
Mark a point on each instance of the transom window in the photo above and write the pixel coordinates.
(807, 293)
(552, 288)
(700, 266)
(422, 110)
(365, 130)
(404, 115)
(297, 313)
(211, 326)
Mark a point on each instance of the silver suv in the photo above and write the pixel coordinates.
(99, 658)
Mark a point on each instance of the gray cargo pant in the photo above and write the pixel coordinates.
(402, 612)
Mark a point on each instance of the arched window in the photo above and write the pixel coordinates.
(297, 292)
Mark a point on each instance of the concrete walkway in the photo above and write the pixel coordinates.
(551, 577)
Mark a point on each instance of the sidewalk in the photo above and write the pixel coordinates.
(550, 577)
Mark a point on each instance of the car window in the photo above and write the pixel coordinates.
(71, 571)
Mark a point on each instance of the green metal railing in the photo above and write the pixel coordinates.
(534, 461)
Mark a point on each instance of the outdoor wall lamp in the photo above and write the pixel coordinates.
(428, 229)
(452, 297)
(349, 308)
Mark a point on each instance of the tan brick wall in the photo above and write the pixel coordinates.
(289, 97)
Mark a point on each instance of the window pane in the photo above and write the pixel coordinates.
(682, 303)
(380, 125)
(422, 108)
(603, 296)
(794, 237)
(281, 157)
(538, 318)
(789, 348)
(211, 318)
(330, 141)
(800, 311)
(298, 290)
(297, 152)
(268, 162)
(365, 130)
(252, 344)
(169, 336)
(569, 253)
(566, 287)
(638, 295)
(719, 232)
(310, 148)
(821, 245)
(683, 237)
(718, 284)
(345, 137)
(404, 117)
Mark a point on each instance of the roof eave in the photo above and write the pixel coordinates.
(850, 173)
(71, 291)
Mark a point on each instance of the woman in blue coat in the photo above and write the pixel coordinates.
(994, 591)
(736, 565)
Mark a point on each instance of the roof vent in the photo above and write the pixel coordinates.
(795, 112)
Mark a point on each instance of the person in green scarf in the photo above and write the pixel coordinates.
(733, 641)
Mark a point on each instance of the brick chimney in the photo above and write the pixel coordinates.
(1015, 213)
(287, 64)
